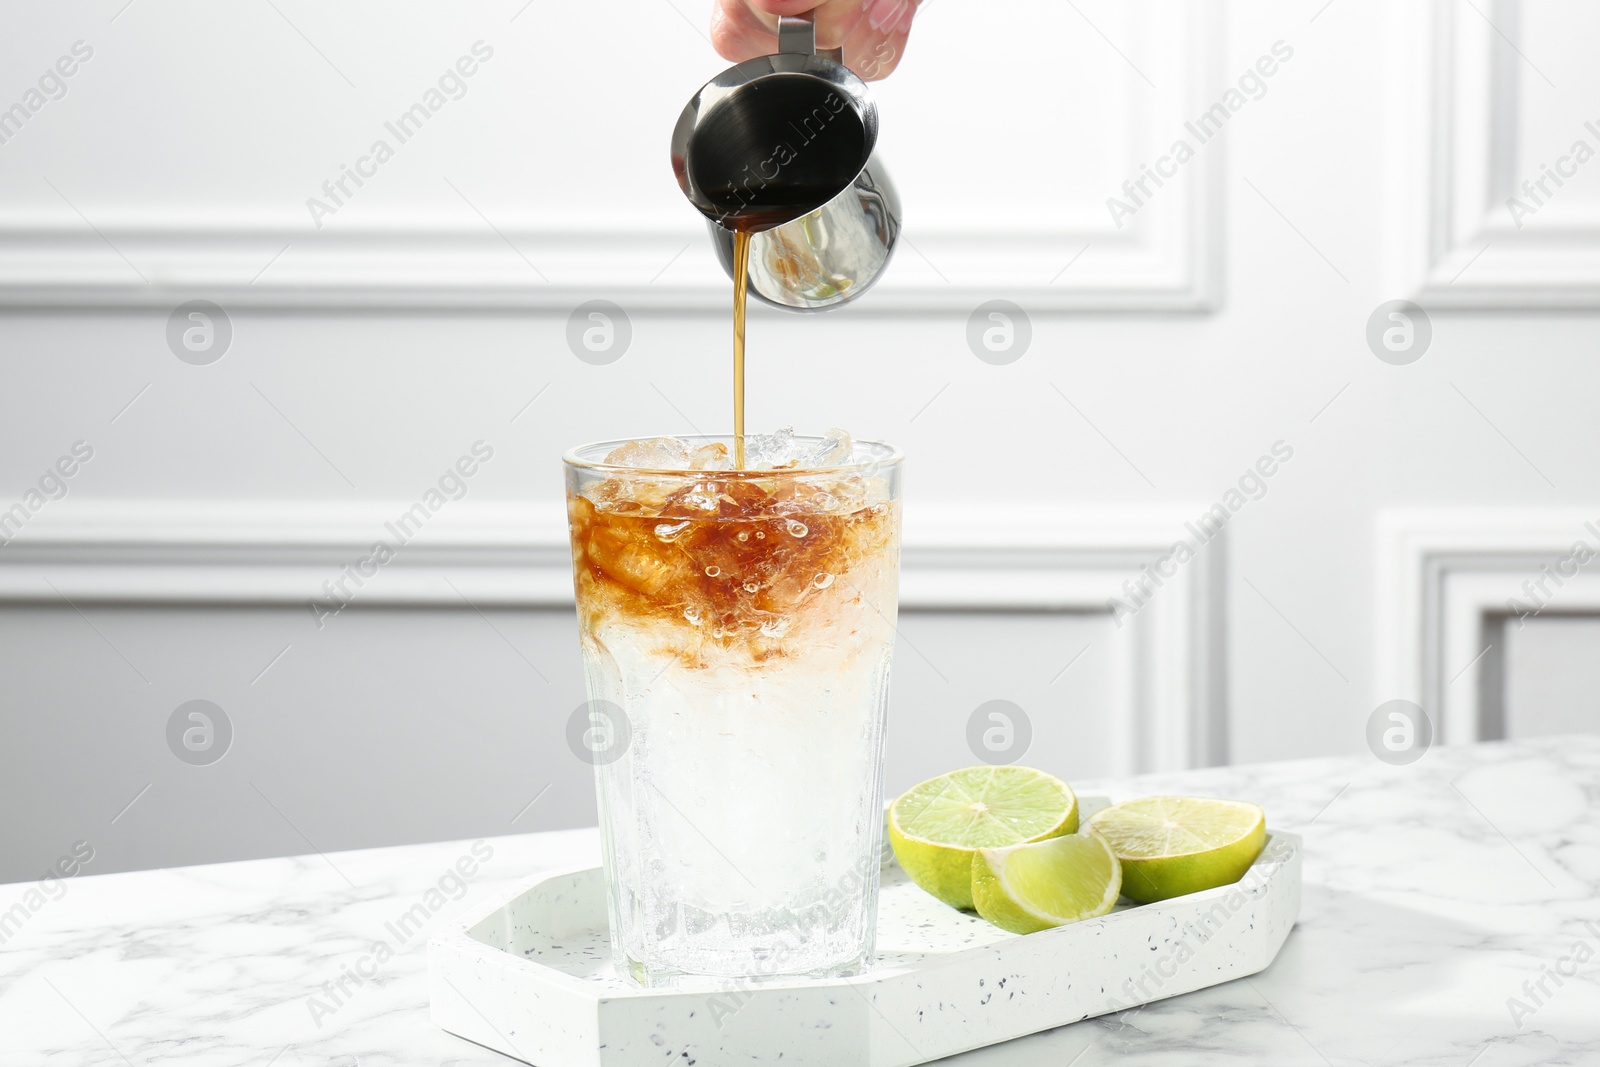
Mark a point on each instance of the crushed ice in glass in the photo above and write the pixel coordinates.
(781, 450)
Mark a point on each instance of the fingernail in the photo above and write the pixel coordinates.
(905, 20)
(883, 15)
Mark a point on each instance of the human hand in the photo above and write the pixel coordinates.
(872, 32)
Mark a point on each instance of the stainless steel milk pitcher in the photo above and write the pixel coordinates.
(782, 145)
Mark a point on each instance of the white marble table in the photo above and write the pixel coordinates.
(1437, 899)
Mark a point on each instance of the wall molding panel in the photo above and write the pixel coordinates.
(1170, 653)
(1444, 579)
(1454, 140)
(1165, 259)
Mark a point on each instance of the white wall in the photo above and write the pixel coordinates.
(1167, 356)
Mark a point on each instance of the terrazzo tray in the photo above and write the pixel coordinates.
(533, 979)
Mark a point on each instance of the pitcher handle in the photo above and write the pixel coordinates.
(798, 33)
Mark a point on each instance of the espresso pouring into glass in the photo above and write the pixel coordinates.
(777, 154)
(737, 618)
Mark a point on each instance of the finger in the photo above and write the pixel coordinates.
(745, 29)
(887, 16)
(873, 33)
(834, 18)
(873, 53)
(738, 33)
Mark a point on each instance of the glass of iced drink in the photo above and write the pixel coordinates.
(736, 629)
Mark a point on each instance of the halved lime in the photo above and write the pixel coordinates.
(1170, 846)
(1048, 883)
(937, 825)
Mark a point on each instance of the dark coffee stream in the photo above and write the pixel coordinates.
(741, 282)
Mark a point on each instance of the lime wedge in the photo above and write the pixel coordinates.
(1047, 883)
(936, 827)
(1170, 846)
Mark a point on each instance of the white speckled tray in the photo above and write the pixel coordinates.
(533, 978)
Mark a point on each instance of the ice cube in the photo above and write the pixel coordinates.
(782, 449)
(657, 453)
(712, 457)
(834, 449)
(767, 451)
(628, 557)
(699, 500)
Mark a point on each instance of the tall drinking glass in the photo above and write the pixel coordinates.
(736, 629)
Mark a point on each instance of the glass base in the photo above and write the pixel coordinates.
(670, 979)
